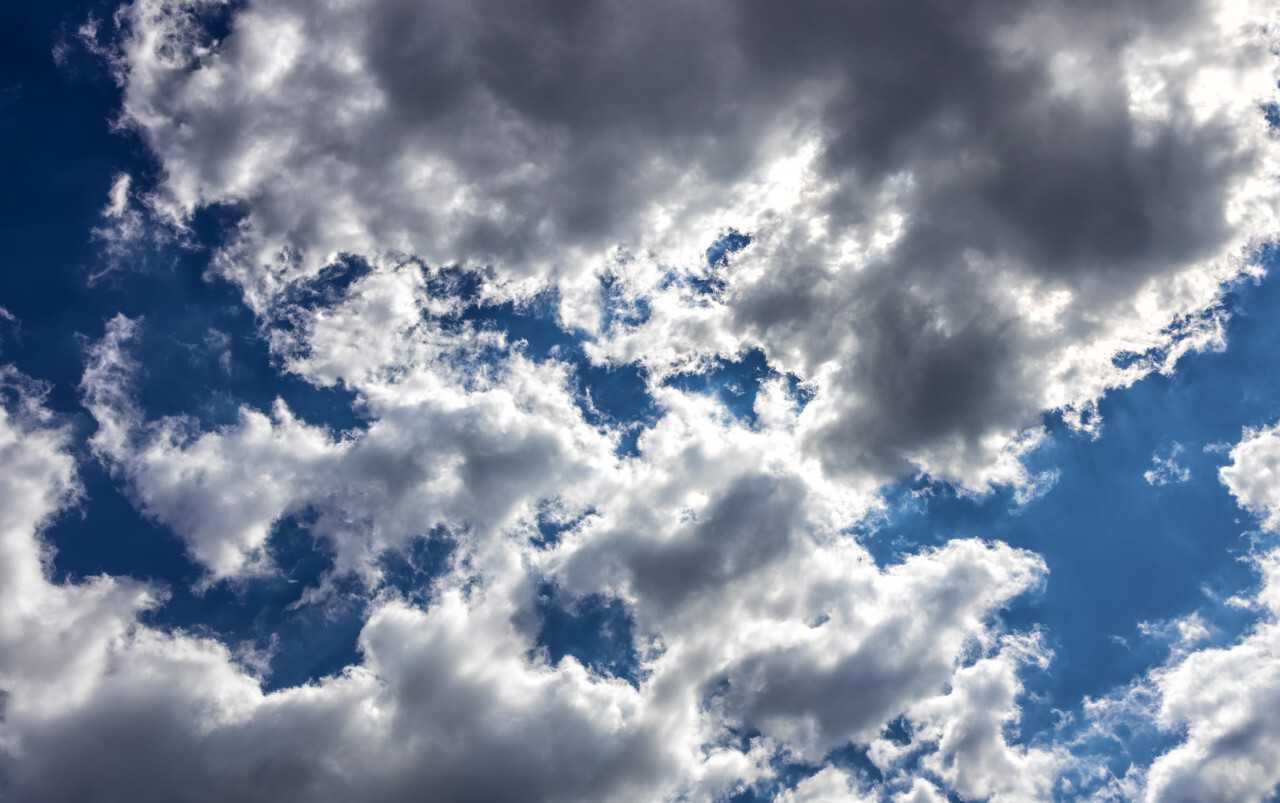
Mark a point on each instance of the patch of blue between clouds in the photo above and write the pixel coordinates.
(551, 527)
(411, 571)
(712, 283)
(1272, 112)
(707, 282)
(619, 309)
(736, 383)
(304, 642)
(595, 629)
(609, 395)
(730, 242)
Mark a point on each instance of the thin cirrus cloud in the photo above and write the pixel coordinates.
(930, 224)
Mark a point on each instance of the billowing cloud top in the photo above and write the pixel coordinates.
(959, 214)
(929, 224)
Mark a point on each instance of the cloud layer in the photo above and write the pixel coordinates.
(443, 689)
(960, 215)
(934, 222)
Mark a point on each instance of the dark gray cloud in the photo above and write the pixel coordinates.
(749, 525)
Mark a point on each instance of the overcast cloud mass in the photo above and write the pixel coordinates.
(539, 395)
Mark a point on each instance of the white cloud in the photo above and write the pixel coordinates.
(1226, 701)
(1166, 470)
(963, 734)
(98, 704)
(829, 785)
(1178, 633)
(440, 452)
(1253, 475)
(96, 698)
(921, 792)
(127, 237)
(221, 491)
(1223, 701)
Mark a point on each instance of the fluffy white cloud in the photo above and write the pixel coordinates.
(55, 634)
(221, 491)
(1227, 700)
(944, 249)
(99, 703)
(921, 791)
(446, 447)
(963, 734)
(829, 785)
(1253, 475)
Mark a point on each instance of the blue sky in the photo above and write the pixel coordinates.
(389, 416)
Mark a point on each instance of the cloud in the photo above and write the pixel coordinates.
(1032, 205)
(953, 218)
(962, 736)
(436, 454)
(829, 785)
(860, 668)
(1223, 700)
(99, 704)
(1253, 475)
(14, 326)
(127, 237)
(1166, 470)
(99, 700)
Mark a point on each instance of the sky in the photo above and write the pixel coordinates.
(580, 401)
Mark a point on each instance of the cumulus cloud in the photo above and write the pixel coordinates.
(1224, 699)
(940, 220)
(962, 736)
(959, 215)
(99, 705)
(95, 698)
(439, 453)
(830, 785)
(1253, 475)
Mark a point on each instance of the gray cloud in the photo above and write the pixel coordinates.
(450, 689)
(988, 200)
